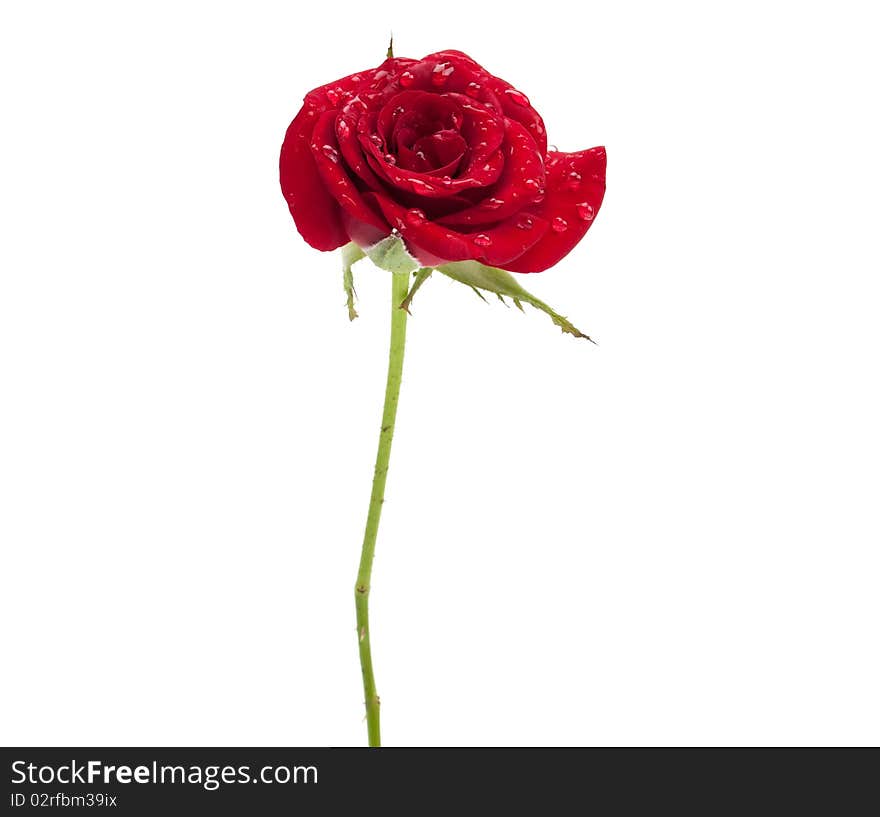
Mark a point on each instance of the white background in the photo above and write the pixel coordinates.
(671, 538)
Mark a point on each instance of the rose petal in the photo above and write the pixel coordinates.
(414, 109)
(315, 212)
(456, 72)
(426, 184)
(334, 172)
(511, 103)
(522, 179)
(434, 243)
(482, 129)
(350, 146)
(443, 150)
(573, 199)
(492, 90)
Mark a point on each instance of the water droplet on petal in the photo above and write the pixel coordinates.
(356, 78)
(357, 104)
(537, 190)
(446, 181)
(391, 160)
(518, 97)
(559, 225)
(342, 128)
(442, 71)
(415, 217)
(473, 89)
(586, 211)
(380, 75)
(525, 223)
(376, 140)
(482, 240)
(407, 78)
(573, 180)
(420, 186)
(334, 96)
(330, 152)
(492, 204)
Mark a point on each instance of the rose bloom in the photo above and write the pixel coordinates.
(452, 158)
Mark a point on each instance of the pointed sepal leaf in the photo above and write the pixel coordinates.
(351, 254)
(491, 279)
(421, 275)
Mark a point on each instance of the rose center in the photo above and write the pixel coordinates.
(426, 139)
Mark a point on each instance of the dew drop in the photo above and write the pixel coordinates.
(391, 160)
(342, 128)
(482, 240)
(420, 186)
(525, 223)
(334, 96)
(536, 189)
(473, 89)
(492, 204)
(376, 140)
(573, 180)
(415, 217)
(356, 104)
(518, 97)
(585, 211)
(407, 78)
(446, 181)
(330, 152)
(380, 75)
(559, 225)
(442, 71)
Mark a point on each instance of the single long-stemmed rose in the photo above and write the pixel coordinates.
(424, 165)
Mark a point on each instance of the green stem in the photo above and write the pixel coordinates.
(399, 287)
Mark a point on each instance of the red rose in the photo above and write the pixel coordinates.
(448, 155)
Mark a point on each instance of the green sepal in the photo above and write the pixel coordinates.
(351, 254)
(419, 278)
(490, 279)
(391, 254)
